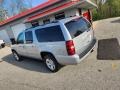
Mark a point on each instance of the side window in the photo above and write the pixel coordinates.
(20, 39)
(50, 34)
(28, 37)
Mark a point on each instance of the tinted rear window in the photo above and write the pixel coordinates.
(77, 26)
(49, 34)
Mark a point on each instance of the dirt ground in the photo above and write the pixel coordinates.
(99, 71)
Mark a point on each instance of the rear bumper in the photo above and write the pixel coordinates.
(76, 59)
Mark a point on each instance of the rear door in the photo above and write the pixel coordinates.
(80, 31)
(51, 40)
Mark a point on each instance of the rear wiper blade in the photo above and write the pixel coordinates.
(78, 33)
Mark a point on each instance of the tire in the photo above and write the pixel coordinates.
(3, 45)
(16, 56)
(51, 63)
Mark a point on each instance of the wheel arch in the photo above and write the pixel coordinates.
(13, 50)
(46, 53)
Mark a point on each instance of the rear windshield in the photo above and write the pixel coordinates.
(77, 26)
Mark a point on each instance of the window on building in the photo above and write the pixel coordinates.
(20, 39)
(60, 16)
(35, 23)
(46, 21)
(29, 37)
(50, 34)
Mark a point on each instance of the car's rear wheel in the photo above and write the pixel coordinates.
(16, 56)
(51, 63)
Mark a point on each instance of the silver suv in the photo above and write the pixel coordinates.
(64, 42)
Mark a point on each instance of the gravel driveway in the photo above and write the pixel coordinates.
(90, 74)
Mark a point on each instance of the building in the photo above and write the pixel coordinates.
(47, 12)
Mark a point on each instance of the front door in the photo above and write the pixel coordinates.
(20, 45)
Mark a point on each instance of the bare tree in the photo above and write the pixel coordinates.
(1, 3)
(20, 5)
(16, 6)
(12, 9)
(30, 3)
(3, 11)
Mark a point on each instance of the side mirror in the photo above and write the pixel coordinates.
(13, 41)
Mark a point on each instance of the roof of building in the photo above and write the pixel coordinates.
(47, 12)
(51, 11)
(32, 10)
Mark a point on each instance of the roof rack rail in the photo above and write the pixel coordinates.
(54, 21)
(29, 28)
(42, 24)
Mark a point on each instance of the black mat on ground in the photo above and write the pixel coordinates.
(108, 49)
(116, 21)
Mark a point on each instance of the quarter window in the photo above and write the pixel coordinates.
(29, 37)
(49, 34)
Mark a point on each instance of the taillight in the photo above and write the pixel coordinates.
(70, 47)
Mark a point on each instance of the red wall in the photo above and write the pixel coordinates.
(87, 15)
